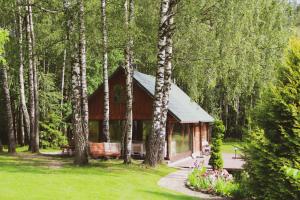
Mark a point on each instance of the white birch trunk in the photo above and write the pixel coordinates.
(105, 73)
(82, 57)
(129, 17)
(24, 109)
(154, 137)
(167, 81)
(31, 84)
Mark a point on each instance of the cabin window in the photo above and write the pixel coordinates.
(180, 139)
(147, 128)
(115, 130)
(118, 94)
(94, 130)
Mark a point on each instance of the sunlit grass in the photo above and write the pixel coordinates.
(229, 146)
(27, 176)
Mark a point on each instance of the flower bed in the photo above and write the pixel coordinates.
(209, 181)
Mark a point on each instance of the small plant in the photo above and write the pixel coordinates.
(225, 188)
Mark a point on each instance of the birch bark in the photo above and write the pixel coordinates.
(105, 73)
(24, 109)
(153, 139)
(129, 17)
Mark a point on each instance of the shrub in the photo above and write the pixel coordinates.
(225, 188)
(216, 160)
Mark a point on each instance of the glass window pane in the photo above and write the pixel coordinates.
(147, 127)
(115, 130)
(93, 131)
(180, 140)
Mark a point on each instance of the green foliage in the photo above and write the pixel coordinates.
(225, 188)
(226, 51)
(216, 160)
(3, 40)
(277, 143)
(51, 113)
(198, 179)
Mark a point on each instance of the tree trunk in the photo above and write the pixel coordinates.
(129, 17)
(63, 77)
(10, 126)
(79, 97)
(82, 57)
(80, 138)
(36, 84)
(23, 106)
(21, 128)
(105, 74)
(152, 142)
(31, 85)
(167, 82)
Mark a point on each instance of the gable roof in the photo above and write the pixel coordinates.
(180, 104)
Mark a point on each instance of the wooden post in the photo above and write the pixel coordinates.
(200, 130)
(169, 140)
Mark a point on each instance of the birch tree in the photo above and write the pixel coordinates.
(33, 90)
(167, 79)
(24, 110)
(82, 58)
(129, 17)
(79, 98)
(105, 73)
(153, 138)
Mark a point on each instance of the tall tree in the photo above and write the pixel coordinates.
(24, 109)
(105, 73)
(82, 59)
(153, 138)
(5, 86)
(32, 81)
(10, 123)
(167, 78)
(79, 99)
(129, 17)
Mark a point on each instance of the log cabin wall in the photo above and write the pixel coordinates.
(142, 101)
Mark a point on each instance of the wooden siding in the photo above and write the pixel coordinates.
(142, 101)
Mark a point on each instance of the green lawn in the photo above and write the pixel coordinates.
(228, 147)
(27, 176)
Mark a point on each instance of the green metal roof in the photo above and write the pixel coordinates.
(181, 105)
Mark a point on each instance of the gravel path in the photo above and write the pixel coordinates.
(176, 181)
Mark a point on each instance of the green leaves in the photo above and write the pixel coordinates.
(3, 40)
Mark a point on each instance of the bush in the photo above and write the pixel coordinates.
(225, 188)
(216, 160)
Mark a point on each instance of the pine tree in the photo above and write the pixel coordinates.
(277, 144)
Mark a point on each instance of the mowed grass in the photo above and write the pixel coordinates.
(37, 177)
(229, 146)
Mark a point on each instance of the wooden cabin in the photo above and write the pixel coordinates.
(188, 125)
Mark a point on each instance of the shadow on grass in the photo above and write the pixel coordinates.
(167, 195)
(54, 164)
